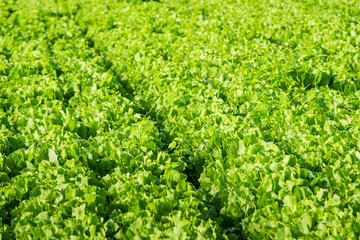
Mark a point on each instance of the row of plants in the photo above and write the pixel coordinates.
(179, 119)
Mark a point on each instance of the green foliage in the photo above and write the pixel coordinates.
(179, 119)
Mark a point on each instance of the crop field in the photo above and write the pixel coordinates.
(179, 119)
